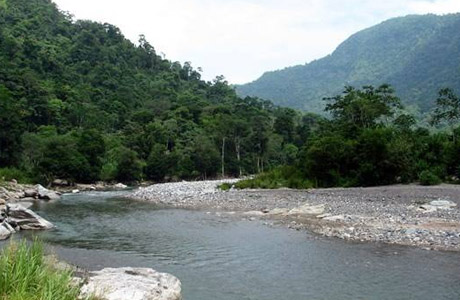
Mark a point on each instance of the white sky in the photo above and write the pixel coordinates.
(241, 39)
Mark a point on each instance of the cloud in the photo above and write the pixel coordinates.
(243, 38)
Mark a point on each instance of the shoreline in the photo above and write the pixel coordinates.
(427, 217)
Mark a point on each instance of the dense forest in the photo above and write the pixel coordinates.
(417, 55)
(79, 101)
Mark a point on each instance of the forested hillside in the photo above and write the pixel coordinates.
(417, 55)
(79, 101)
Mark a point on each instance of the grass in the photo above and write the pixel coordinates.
(24, 274)
(286, 176)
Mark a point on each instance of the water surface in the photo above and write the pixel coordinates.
(232, 259)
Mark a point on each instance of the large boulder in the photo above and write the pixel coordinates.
(30, 193)
(5, 231)
(46, 194)
(120, 186)
(132, 284)
(25, 218)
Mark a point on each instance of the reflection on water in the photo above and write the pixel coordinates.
(220, 258)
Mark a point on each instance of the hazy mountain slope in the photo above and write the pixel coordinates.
(416, 54)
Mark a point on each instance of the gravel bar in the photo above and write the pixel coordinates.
(427, 217)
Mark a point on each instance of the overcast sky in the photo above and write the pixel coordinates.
(241, 39)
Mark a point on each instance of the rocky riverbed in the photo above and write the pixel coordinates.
(427, 217)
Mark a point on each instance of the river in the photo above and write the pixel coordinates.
(223, 258)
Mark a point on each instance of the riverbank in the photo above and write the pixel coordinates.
(426, 217)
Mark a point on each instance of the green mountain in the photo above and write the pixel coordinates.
(417, 55)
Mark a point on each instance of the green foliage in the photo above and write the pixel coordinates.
(79, 101)
(129, 168)
(428, 178)
(415, 54)
(68, 89)
(8, 174)
(24, 274)
(277, 178)
(225, 186)
(363, 108)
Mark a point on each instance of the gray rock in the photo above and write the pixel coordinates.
(46, 194)
(308, 209)
(32, 193)
(5, 231)
(120, 186)
(26, 204)
(132, 284)
(25, 218)
(411, 231)
(254, 213)
(443, 204)
(27, 199)
(278, 211)
(60, 182)
(334, 218)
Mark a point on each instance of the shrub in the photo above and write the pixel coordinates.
(286, 176)
(428, 178)
(8, 174)
(225, 186)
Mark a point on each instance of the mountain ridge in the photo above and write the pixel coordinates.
(417, 54)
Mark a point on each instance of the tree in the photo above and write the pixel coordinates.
(447, 109)
(11, 128)
(363, 108)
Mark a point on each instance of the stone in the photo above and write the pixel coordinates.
(426, 208)
(334, 218)
(46, 194)
(254, 213)
(278, 211)
(27, 199)
(323, 216)
(443, 204)
(26, 204)
(2, 201)
(132, 284)
(32, 193)
(5, 231)
(60, 182)
(120, 186)
(308, 209)
(75, 191)
(25, 218)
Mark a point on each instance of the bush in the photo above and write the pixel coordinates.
(428, 178)
(24, 274)
(286, 176)
(225, 186)
(8, 174)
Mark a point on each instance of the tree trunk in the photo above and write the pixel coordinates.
(223, 157)
(238, 155)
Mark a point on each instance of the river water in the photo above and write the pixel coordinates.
(220, 258)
